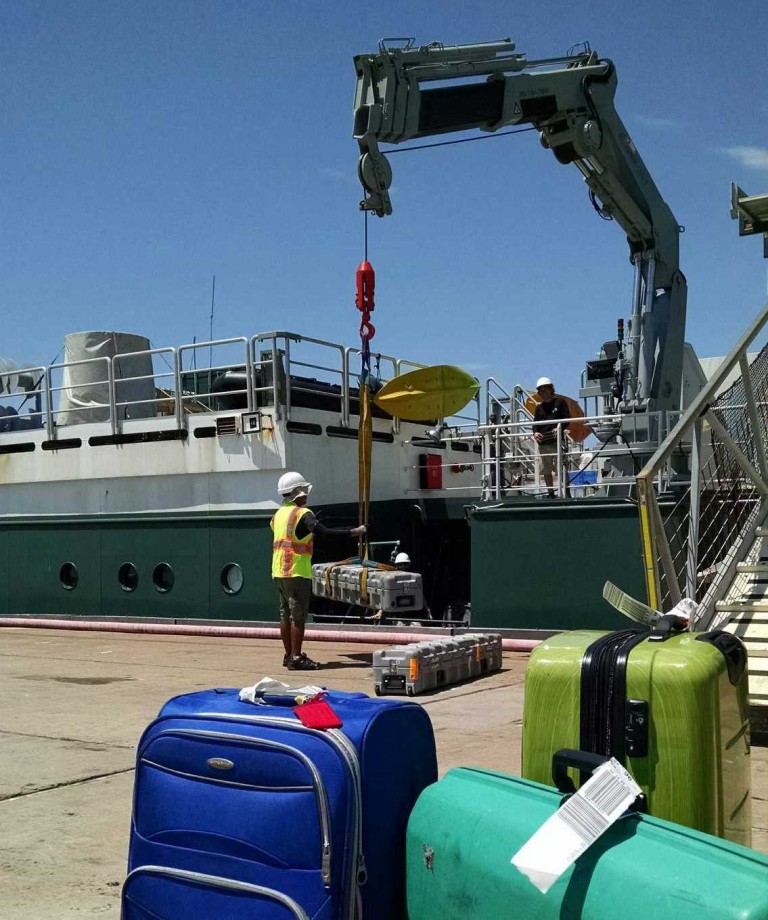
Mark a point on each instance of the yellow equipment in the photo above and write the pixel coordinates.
(428, 393)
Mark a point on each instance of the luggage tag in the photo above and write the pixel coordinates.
(576, 825)
(316, 712)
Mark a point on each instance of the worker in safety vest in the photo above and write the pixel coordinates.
(294, 527)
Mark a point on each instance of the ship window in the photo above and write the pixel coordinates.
(231, 578)
(128, 576)
(68, 576)
(163, 577)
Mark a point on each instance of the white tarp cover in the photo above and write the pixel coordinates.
(85, 393)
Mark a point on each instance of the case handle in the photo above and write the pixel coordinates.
(667, 626)
(285, 699)
(584, 761)
(732, 649)
(587, 763)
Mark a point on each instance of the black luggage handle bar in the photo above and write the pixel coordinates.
(586, 763)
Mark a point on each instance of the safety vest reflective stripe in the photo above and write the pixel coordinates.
(290, 527)
(300, 549)
(291, 556)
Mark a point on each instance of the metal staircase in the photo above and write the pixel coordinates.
(703, 502)
(703, 496)
(745, 606)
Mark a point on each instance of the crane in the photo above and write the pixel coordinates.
(570, 101)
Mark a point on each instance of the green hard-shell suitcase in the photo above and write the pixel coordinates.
(465, 829)
(672, 707)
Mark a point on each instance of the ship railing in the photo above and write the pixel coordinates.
(247, 373)
(82, 397)
(12, 417)
(280, 365)
(697, 531)
(282, 361)
(166, 399)
(189, 389)
(510, 458)
(498, 401)
(276, 368)
(202, 377)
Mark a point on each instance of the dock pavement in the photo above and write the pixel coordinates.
(72, 708)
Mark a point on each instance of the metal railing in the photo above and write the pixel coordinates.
(512, 465)
(268, 370)
(697, 529)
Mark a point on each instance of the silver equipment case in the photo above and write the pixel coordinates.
(422, 666)
(389, 590)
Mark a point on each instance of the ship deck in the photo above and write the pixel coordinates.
(75, 703)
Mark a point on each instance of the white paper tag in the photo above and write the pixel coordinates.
(573, 828)
(276, 688)
(627, 605)
(686, 608)
(640, 613)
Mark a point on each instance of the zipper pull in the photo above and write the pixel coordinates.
(362, 872)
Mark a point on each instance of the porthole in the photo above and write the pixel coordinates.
(231, 578)
(68, 576)
(128, 576)
(163, 577)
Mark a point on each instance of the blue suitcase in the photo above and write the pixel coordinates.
(242, 811)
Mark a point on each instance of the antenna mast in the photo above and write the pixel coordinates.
(210, 337)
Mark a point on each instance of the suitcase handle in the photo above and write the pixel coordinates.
(584, 761)
(732, 649)
(289, 700)
(667, 626)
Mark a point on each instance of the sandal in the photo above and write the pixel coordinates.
(302, 663)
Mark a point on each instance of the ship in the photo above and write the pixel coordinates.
(139, 481)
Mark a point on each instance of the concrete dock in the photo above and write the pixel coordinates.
(75, 703)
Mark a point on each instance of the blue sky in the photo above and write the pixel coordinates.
(149, 145)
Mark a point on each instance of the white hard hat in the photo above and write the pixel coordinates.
(290, 481)
(402, 559)
(544, 382)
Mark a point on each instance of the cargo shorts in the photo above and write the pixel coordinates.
(294, 599)
(548, 457)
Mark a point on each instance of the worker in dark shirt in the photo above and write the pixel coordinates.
(294, 527)
(551, 408)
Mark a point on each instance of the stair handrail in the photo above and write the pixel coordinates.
(657, 551)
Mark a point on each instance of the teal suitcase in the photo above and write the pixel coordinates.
(672, 707)
(465, 829)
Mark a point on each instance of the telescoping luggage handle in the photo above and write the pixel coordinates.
(586, 763)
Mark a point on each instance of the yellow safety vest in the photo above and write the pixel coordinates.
(291, 557)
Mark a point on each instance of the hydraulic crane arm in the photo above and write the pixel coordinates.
(570, 102)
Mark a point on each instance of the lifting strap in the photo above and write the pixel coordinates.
(364, 301)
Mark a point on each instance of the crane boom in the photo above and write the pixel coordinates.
(569, 101)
